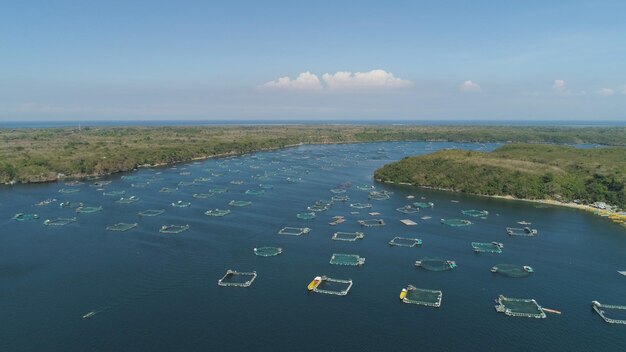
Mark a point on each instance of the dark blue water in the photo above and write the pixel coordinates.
(156, 292)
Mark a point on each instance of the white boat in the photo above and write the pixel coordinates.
(622, 272)
(89, 315)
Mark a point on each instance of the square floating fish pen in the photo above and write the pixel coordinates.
(483, 247)
(346, 259)
(237, 279)
(121, 226)
(239, 203)
(360, 205)
(436, 264)
(526, 231)
(59, 221)
(348, 236)
(127, 200)
(23, 217)
(475, 213)
(151, 212)
(268, 251)
(294, 231)
(512, 270)
(519, 307)
(88, 210)
(611, 314)
(173, 229)
(217, 212)
(306, 216)
(456, 222)
(405, 242)
(420, 296)
(371, 222)
(330, 286)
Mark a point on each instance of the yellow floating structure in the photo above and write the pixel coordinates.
(314, 283)
(403, 294)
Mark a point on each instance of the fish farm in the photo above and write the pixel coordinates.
(526, 231)
(436, 264)
(235, 278)
(420, 296)
(239, 203)
(408, 209)
(306, 216)
(330, 286)
(180, 204)
(483, 247)
(127, 200)
(371, 222)
(360, 205)
(268, 251)
(59, 221)
(456, 222)
(88, 210)
(173, 229)
(475, 213)
(23, 217)
(121, 226)
(294, 231)
(611, 314)
(151, 212)
(348, 236)
(518, 307)
(405, 242)
(346, 259)
(217, 212)
(512, 270)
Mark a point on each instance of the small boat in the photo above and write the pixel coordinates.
(497, 244)
(554, 311)
(528, 269)
(426, 217)
(454, 201)
(622, 272)
(410, 197)
(403, 293)
(313, 284)
(418, 263)
(494, 269)
(89, 315)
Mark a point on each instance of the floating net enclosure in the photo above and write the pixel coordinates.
(405, 242)
(294, 231)
(360, 205)
(168, 190)
(611, 314)
(268, 251)
(237, 279)
(348, 236)
(365, 187)
(294, 179)
(121, 226)
(420, 296)
(519, 307)
(202, 179)
(202, 195)
(423, 205)
(23, 217)
(330, 286)
(217, 212)
(46, 202)
(380, 195)
(408, 209)
(436, 264)
(186, 184)
(475, 213)
(114, 193)
(512, 270)
(69, 190)
(99, 184)
(127, 200)
(346, 259)
(59, 221)
(340, 198)
(371, 222)
(525, 231)
(456, 222)
(266, 186)
(218, 190)
(319, 205)
(140, 184)
(338, 190)
(181, 204)
(174, 229)
(151, 212)
(88, 210)
(336, 220)
(255, 192)
(484, 247)
(239, 203)
(306, 216)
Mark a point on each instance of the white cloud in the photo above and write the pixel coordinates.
(374, 79)
(559, 86)
(304, 81)
(605, 92)
(469, 86)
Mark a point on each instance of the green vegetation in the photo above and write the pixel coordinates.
(528, 171)
(35, 155)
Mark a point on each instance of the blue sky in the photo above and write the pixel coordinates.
(423, 60)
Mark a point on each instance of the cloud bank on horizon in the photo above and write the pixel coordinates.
(341, 80)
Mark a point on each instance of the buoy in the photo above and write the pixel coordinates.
(403, 293)
(314, 283)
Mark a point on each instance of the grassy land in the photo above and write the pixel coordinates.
(528, 171)
(35, 155)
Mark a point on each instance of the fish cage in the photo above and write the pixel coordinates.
(421, 296)
(202, 195)
(43, 203)
(360, 205)
(23, 217)
(423, 205)
(121, 226)
(294, 231)
(173, 229)
(218, 190)
(237, 279)
(484, 247)
(436, 264)
(127, 200)
(346, 259)
(74, 183)
(128, 177)
(186, 184)
(456, 222)
(379, 195)
(525, 231)
(255, 192)
(239, 203)
(371, 222)
(168, 190)
(114, 193)
(475, 213)
(202, 179)
(88, 210)
(519, 307)
(612, 314)
(217, 212)
(338, 190)
(340, 198)
(99, 184)
(348, 236)
(265, 186)
(365, 187)
(306, 216)
(408, 209)
(268, 251)
(59, 221)
(330, 286)
(405, 242)
(236, 182)
(140, 184)
(151, 212)
(181, 204)
(512, 270)
(294, 179)
(69, 190)
(336, 220)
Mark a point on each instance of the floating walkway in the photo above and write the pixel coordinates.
(121, 226)
(330, 286)
(346, 259)
(237, 279)
(512, 270)
(348, 236)
(405, 242)
(602, 309)
(519, 307)
(217, 212)
(420, 296)
(436, 264)
(173, 229)
(151, 212)
(268, 251)
(294, 231)
(483, 247)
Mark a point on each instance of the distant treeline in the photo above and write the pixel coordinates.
(35, 155)
(528, 171)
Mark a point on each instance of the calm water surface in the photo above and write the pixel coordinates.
(157, 292)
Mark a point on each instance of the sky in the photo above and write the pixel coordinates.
(312, 60)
